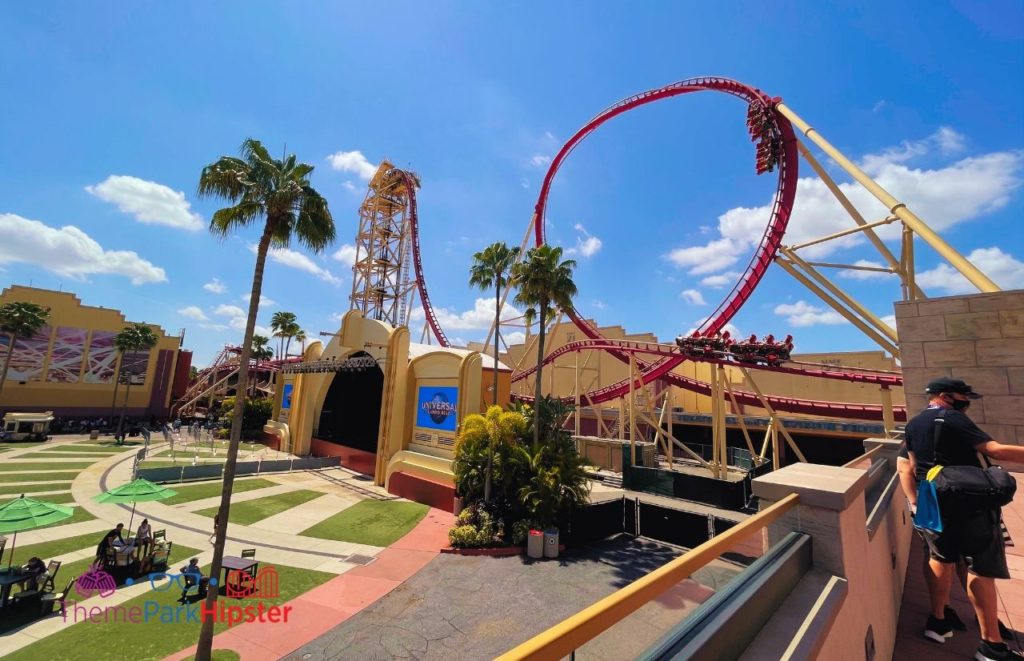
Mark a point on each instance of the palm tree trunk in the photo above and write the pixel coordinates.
(497, 327)
(7, 363)
(120, 422)
(205, 644)
(117, 382)
(287, 345)
(540, 366)
(494, 373)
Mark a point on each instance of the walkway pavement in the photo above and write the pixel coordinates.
(911, 644)
(323, 608)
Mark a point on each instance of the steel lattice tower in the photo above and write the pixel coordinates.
(382, 278)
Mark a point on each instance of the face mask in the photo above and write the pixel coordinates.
(959, 405)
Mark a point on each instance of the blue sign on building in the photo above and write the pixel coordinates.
(286, 396)
(435, 407)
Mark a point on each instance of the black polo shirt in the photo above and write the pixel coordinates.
(957, 441)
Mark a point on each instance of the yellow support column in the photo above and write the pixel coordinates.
(632, 407)
(897, 208)
(888, 419)
(576, 390)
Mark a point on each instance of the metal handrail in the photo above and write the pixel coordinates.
(575, 631)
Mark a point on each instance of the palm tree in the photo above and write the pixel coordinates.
(283, 325)
(131, 339)
(544, 280)
(19, 320)
(260, 350)
(490, 269)
(301, 338)
(279, 191)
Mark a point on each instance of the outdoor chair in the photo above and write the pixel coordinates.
(44, 583)
(249, 553)
(160, 535)
(161, 555)
(50, 598)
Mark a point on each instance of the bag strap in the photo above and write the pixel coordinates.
(937, 435)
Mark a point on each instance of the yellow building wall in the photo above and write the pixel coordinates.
(93, 399)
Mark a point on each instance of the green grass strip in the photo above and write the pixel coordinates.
(60, 476)
(47, 550)
(34, 488)
(155, 639)
(182, 461)
(372, 522)
(12, 466)
(14, 445)
(70, 456)
(83, 449)
(187, 494)
(251, 511)
(58, 498)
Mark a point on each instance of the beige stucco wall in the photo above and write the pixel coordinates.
(978, 338)
(598, 369)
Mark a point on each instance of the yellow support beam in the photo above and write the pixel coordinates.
(897, 208)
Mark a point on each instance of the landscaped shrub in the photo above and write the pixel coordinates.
(475, 527)
(533, 486)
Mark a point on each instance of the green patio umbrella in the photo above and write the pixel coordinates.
(139, 491)
(28, 513)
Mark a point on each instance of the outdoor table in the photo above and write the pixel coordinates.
(8, 579)
(231, 562)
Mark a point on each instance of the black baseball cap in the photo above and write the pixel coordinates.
(946, 384)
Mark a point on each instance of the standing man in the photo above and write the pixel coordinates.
(971, 535)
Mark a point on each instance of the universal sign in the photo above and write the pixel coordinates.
(436, 407)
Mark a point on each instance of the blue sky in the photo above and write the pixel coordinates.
(110, 113)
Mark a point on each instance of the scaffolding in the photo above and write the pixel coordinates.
(382, 276)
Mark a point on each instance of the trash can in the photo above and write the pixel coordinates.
(94, 434)
(551, 543)
(535, 544)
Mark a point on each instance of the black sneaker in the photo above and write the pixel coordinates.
(995, 652)
(937, 630)
(952, 619)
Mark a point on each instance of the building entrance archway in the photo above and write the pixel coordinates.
(350, 416)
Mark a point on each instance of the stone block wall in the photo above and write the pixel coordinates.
(978, 338)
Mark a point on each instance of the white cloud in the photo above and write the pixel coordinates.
(229, 311)
(348, 185)
(540, 160)
(890, 320)
(297, 260)
(525, 183)
(729, 328)
(693, 297)
(479, 318)
(354, 162)
(238, 323)
(216, 327)
(192, 312)
(721, 280)
(215, 286)
(801, 314)
(943, 197)
(263, 299)
(851, 274)
(599, 305)
(715, 256)
(586, 244)
(878, 105)
(1004, 269)
(151, 203)
(69, 251)
(346, 254)
(515, 337)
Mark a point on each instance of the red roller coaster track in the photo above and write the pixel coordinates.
(669, 359)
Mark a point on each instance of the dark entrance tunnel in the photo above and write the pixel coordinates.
(351, 411)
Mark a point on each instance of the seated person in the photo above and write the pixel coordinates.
(35, 568)
(193, 576)
(144, 537)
